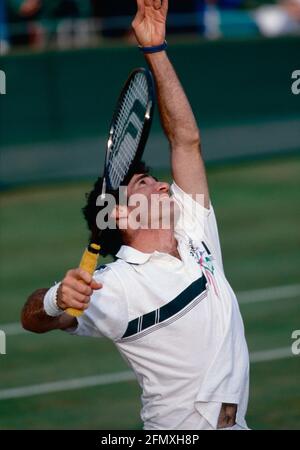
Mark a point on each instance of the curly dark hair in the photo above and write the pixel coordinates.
(111, 240)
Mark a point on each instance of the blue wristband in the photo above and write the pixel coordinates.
(155, 49)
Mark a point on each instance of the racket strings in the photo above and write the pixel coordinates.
(124, 145)
(126, 152)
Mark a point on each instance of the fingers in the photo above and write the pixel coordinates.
(140, 11)
(69, 298)
(78, 286)
(82, 281)
(140, 5)
(95, 285)
(157, 4)
(81, 274)
(140, 15)
(165, 6)
(74, 304)
(76, 289)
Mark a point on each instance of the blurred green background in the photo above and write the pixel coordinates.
(53, 124)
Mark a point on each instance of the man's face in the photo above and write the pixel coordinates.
(147, 185)
(149, 202)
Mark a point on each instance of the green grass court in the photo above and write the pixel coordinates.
(42, 235)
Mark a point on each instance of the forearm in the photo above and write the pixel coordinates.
(35, 319)
(176, 114)
(74, 292)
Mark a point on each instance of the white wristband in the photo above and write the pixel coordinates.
(50, 302)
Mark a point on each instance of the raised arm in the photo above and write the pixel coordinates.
(177, 117)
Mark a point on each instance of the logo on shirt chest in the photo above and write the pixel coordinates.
(203, 256)
(204, 259)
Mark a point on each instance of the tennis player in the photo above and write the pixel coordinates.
(165, 302)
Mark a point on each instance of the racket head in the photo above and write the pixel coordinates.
(129, 129)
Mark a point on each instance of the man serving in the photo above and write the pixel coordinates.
(165, 302)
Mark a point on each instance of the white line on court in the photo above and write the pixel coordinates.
(12, 329)
(268, 294)
(271, 355)
(66, 385)
(244, 297)
(100, 380)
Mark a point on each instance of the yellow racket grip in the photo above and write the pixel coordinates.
(88, 263)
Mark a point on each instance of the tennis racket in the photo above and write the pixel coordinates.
(129, 131)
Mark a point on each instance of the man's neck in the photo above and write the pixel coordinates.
(149, 241)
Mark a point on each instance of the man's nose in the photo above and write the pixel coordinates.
(163, 187)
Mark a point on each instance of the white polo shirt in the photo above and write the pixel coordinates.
(177, 324)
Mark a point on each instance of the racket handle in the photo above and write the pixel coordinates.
(88, 263)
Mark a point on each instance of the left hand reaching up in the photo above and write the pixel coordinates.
(149, 23)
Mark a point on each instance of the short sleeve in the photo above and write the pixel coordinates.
(107, 315)
(196, 221)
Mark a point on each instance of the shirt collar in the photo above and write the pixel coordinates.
(133, 256)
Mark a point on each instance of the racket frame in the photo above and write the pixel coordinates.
(148, 117)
